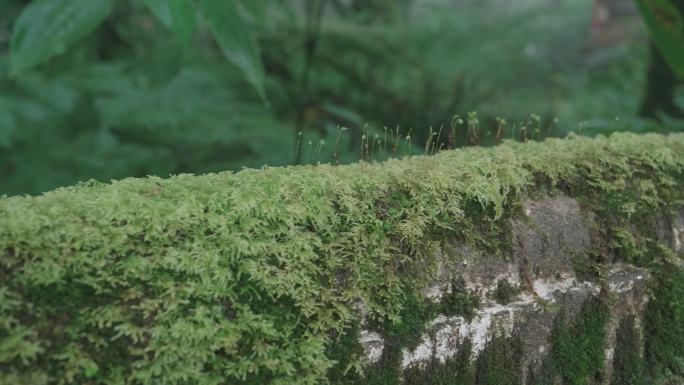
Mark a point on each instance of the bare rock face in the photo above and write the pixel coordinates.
(524, 295)
(555, 234)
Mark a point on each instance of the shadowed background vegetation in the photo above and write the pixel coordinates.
(142, 87)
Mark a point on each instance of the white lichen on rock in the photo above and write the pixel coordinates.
(372, 344)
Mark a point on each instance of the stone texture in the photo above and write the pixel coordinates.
(555, 234)
(678, 232)
(547, 244)
(627, 285)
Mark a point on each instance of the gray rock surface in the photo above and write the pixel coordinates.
(547, 246)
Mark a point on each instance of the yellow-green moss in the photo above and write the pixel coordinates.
(251, 278)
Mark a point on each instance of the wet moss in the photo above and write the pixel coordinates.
(628, 361)
(499, 362)
(400, 333)
(543, 373)
(458, 370)
(387, 370)
(273, 260)
(588, 267)
(460, 301)
(664, 324)
(346, 352)
(505, 292)
(577, 346)
(490, 231)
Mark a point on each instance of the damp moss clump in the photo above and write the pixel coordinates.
(577, 345)
(403, 332)
(497, 364)
(505, 292)
(499, 361)
(459, 369)
(252, 277)
(664, 324)
(628, 361)
(459, 300)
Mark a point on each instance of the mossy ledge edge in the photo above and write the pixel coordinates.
(269, 276)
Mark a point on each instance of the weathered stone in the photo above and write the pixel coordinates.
(548, 244)
(372, 344)
(555, 234)
(678, 232)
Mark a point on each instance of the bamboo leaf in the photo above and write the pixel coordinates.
(235, 40)
(666, 26)
(257, 8)
(46, 28)
(177, 15)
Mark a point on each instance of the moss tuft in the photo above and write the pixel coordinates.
(505, 292)
(543, 373)
(664, 324)
(458, 370)
(346, 352)
(499, 362)
(628, 361)
(402, 332)
(577, 346)
(459, 300)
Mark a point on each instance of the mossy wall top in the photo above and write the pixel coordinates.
(253, 277)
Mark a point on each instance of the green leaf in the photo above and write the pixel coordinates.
(257, 8)
(45, 28)
(7, 124)
(177, 15)
(161, 10)
(235, 40)
(666, 26)
(90, 371)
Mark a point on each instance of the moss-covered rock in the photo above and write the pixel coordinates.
(256, 277)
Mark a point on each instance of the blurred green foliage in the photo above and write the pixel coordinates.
(138, 87)
(665, 23)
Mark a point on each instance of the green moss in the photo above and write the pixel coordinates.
(543, 373)
(387, 370)
(346, 352)
(634, 247)
(458, 370)
(505, 292)
(588, 267)
(403, 332)
(628, 361)
(250, 277)
(577, 346)
(499, 362)
(459, 300)
(487, 233)
(664, 324)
